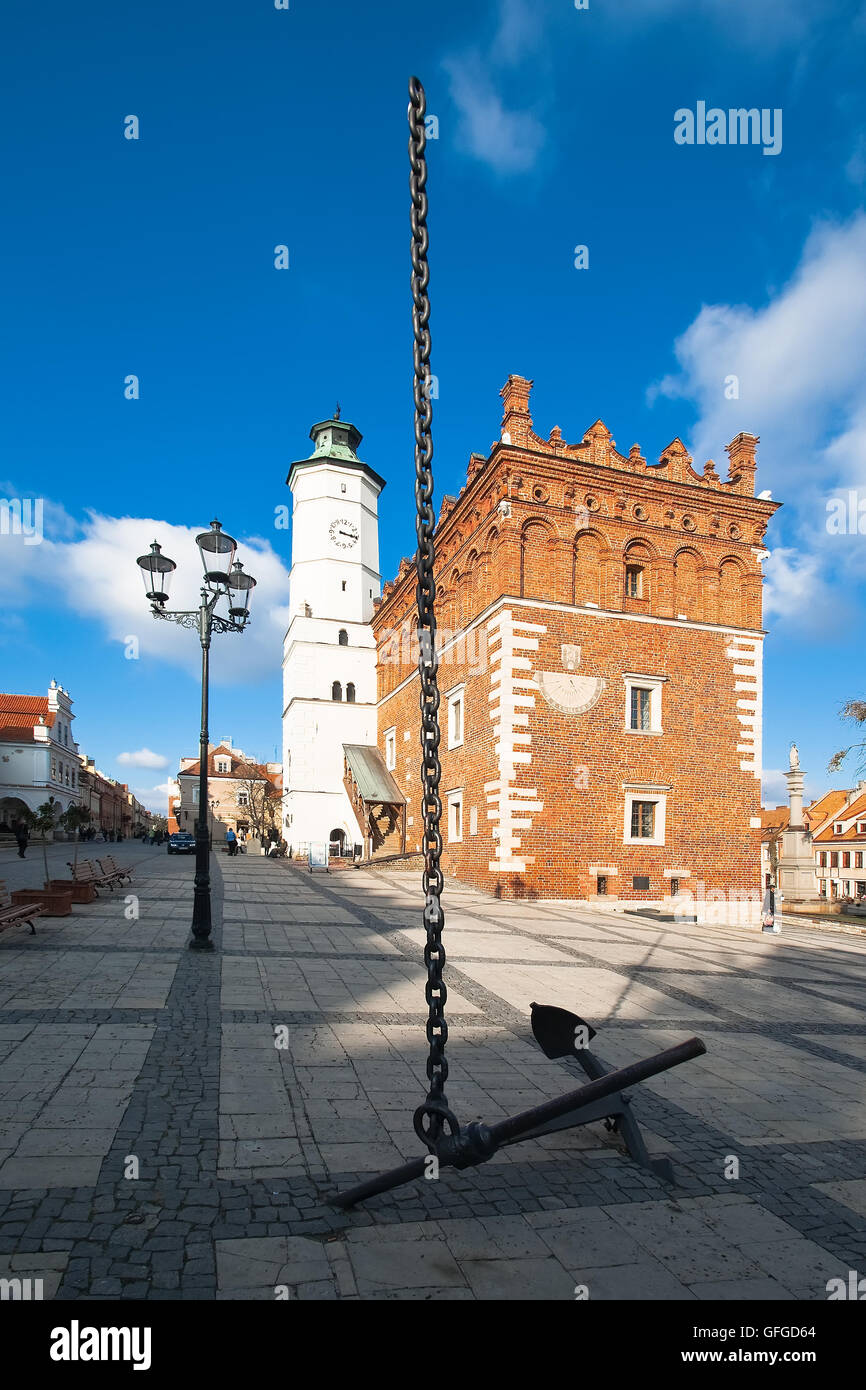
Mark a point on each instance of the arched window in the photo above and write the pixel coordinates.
(336, 691)
(638, 572)
(343, 637)
(350, 693)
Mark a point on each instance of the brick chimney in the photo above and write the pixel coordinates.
(741, 456)
(516, 419)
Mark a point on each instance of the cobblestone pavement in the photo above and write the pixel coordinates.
(158, 1141)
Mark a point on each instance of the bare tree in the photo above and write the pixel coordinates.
(263, 800)
(855, 711)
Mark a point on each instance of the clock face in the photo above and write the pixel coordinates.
(344, 534)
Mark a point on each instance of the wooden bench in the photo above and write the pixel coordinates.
(86, 872)
(119, 871)
(12, 914)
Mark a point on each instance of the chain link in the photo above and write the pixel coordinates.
(433, 1116)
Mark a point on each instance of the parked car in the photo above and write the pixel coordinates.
(181, 843)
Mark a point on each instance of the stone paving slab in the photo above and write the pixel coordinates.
(254, 1082)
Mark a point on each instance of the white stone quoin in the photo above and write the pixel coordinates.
(329, 649)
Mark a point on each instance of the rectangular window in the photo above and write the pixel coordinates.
(640, 883)
(455, 717)
(862, 828)
(643, 815)
(634, 581)
(858, 859)
(834, 860)
(823, 859)
(675, 887)
(640, 707)
(643, 702)
(455, 815)
(195, 796)
(390, 749)
(243, 798)
(846, 859)
(601, 888)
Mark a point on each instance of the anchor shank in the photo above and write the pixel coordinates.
(506, 1131)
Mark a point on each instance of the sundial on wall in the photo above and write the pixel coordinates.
(568, 691)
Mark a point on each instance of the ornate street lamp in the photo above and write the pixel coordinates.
(221, 580)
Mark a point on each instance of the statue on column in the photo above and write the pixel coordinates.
(795, 758)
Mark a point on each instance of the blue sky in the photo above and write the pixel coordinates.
(261, 126)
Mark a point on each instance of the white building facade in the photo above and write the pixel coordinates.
(329, 653)
(39, 759)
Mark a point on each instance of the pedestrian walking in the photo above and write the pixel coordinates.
(768, 912)
(231, 841)
(22, 835)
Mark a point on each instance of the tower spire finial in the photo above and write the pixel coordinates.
(337, 411)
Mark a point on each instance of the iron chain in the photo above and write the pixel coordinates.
(433, 1116)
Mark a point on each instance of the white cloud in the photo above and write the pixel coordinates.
(791, 580)
(774, 788)
(156, 798)
(102, 580)
(143, 758)
(507, 138)
(798, 360)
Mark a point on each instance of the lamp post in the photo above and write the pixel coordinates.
(222, 578)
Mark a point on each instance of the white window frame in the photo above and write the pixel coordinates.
(634, 681)
(454, 799)
(658, 795)
(222, 766)
(243, 799)
(456, 697)
(390, 738)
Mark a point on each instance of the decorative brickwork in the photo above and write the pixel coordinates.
(581, 592)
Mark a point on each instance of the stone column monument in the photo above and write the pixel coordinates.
(797, 879)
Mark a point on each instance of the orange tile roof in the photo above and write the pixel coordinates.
(773, 818)
(826, 806)
(23, 704)
(18, 725)
(240, 768)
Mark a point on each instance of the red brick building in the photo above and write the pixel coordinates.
(601, 647)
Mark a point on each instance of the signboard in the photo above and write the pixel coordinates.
(318, 857)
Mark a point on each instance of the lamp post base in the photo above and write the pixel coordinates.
(201, 943)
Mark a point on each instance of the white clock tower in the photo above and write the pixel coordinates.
(329, 653)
